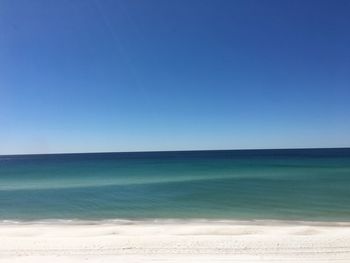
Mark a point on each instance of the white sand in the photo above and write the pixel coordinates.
(190, 241)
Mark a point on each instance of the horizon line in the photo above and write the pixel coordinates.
(187, 150)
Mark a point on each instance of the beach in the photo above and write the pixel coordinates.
(174, 131)
(201, 206)
(175, 241)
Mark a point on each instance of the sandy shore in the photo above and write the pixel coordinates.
(190, 241)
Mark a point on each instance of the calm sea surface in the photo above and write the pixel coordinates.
(311, 184)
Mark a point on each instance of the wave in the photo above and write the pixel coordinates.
(105, 181)
(174, 221)
(97, 183)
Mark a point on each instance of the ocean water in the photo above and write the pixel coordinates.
(310, 184)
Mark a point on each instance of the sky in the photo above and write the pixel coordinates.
(135, 75)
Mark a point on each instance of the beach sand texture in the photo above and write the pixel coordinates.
(175, 242)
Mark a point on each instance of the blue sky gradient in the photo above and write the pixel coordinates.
(135, 75)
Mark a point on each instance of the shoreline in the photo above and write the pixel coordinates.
(170, 241)
(174, 221)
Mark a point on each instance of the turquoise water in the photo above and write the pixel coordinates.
(309, 184)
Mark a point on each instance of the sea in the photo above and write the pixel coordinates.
(288, 184)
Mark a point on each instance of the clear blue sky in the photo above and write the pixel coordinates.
(135, 75)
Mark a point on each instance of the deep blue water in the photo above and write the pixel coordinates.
(305, 184)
